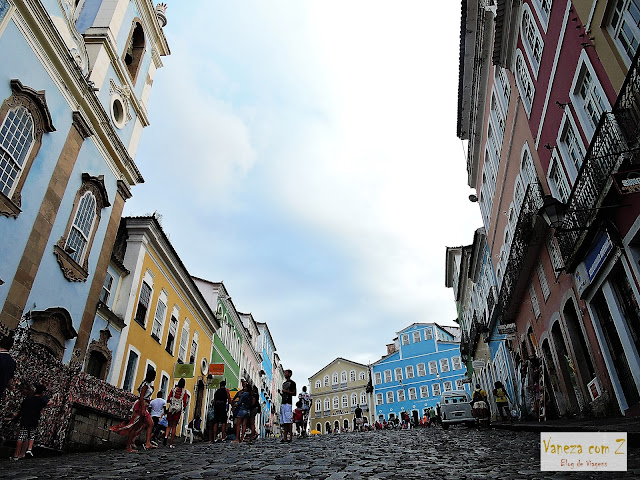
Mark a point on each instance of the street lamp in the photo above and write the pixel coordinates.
(553, 211)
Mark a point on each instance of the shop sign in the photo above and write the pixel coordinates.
(216, 369)
(477, 364)
(595, 259)
(506, 329)
(627, 182)
(184, 370)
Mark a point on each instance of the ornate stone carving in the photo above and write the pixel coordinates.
(101, 347)
(52, 328)
(125, 94)
(161, 13)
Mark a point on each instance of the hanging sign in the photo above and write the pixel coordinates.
(216, 369)
(627, 182)
(477, 364)
(184, 370)
(506, 329)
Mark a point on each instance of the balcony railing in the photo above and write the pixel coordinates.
(615, 138)
(526, 235)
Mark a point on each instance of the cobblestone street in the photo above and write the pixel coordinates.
(456, 454)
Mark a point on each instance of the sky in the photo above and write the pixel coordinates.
(305, 154)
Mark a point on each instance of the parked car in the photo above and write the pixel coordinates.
(455, 407)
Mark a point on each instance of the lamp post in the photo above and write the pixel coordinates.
(554, 212)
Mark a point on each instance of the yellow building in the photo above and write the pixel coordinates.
(336, 391)
(169, 326)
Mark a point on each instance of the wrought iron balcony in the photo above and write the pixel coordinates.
(615, 141)
(528, 237)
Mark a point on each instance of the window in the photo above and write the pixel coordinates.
(435, 389)
(343, 377)
(194, 348)
(428, 333)
(352, 376)
(164, 385)
(497, 115)
(518, 194)
(318, 384)
(362, 376)
(387, 376)
(378, 378)
(444, 365)
(82, 227)
(535, 306)
(135, 51)
(130, 372)
(587, 97)
(326, 380)
(334, 379)
(412, 393)
(447, 386)
(106, 288)
(171, 336)
(379, 399)
(543, 9)
(422, 371)
(354, 399)
(571, 148)
(542, 277)
(400, 395)
(416, 337)
(532, 39)
(345, 401)
(143, 304)
(433, 367)
(398, 374)
(524, 82)
(557, 180)
(504, 87)
(336, 402)
(24, 118)
(158, 319)
(554, 253)
(456, 363)
(318, 405)
(424, 391)
(184, 341)
(405, 339)
(527, 168)
(389, 397)
(409, 371)
(327, 404)
(459, 384)
(624, 27)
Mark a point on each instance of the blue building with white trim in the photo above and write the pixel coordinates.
(423, 362)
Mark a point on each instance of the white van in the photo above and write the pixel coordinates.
(455, 407)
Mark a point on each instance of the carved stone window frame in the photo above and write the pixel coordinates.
(52, 328)
(138, 51)
(101, 347)
(35, 102)
(73, 271)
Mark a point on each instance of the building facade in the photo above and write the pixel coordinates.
(336, 390)
(423, 362)
(547, 91)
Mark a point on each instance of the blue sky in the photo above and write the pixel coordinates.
(305, 153)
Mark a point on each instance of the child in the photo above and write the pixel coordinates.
(298, 416)
(29, 415)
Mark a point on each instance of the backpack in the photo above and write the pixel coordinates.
(176, 403)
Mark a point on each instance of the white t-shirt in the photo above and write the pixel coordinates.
(157, 407)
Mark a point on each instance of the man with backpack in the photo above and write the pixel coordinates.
(305, 399)
(221, 402)
(177, 401)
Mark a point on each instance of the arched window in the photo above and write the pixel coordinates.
(354, 399)
(135, 50)
(184, 341)
(327, 404)
(318, 405)
(74, 247)
(362, 376)
(524, 82)
(343, 376)
(527, 169)
(24, 117)
(363, 398)
(336, 402)
(345, 401)
(326, 380)
(334, 379)
(352, 376)
(318, 384)
(532, 39)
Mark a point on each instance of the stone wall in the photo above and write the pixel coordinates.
(89, 430)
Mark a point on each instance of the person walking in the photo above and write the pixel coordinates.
(244, 403)
(254, 411)
(305, 398)
(29, 415)
(358, 418)
(221, 402)
(177, 400)
(502, 401)
(286, 408)
(480, 406)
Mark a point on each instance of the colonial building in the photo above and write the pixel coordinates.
(423, 361)
(169, 325)
(336, 391)
(545, 101)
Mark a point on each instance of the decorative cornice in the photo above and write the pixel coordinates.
(70, 269)
(99, 183)
(81, 125)
(39, 99)
(111, 317)
(124, 190)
